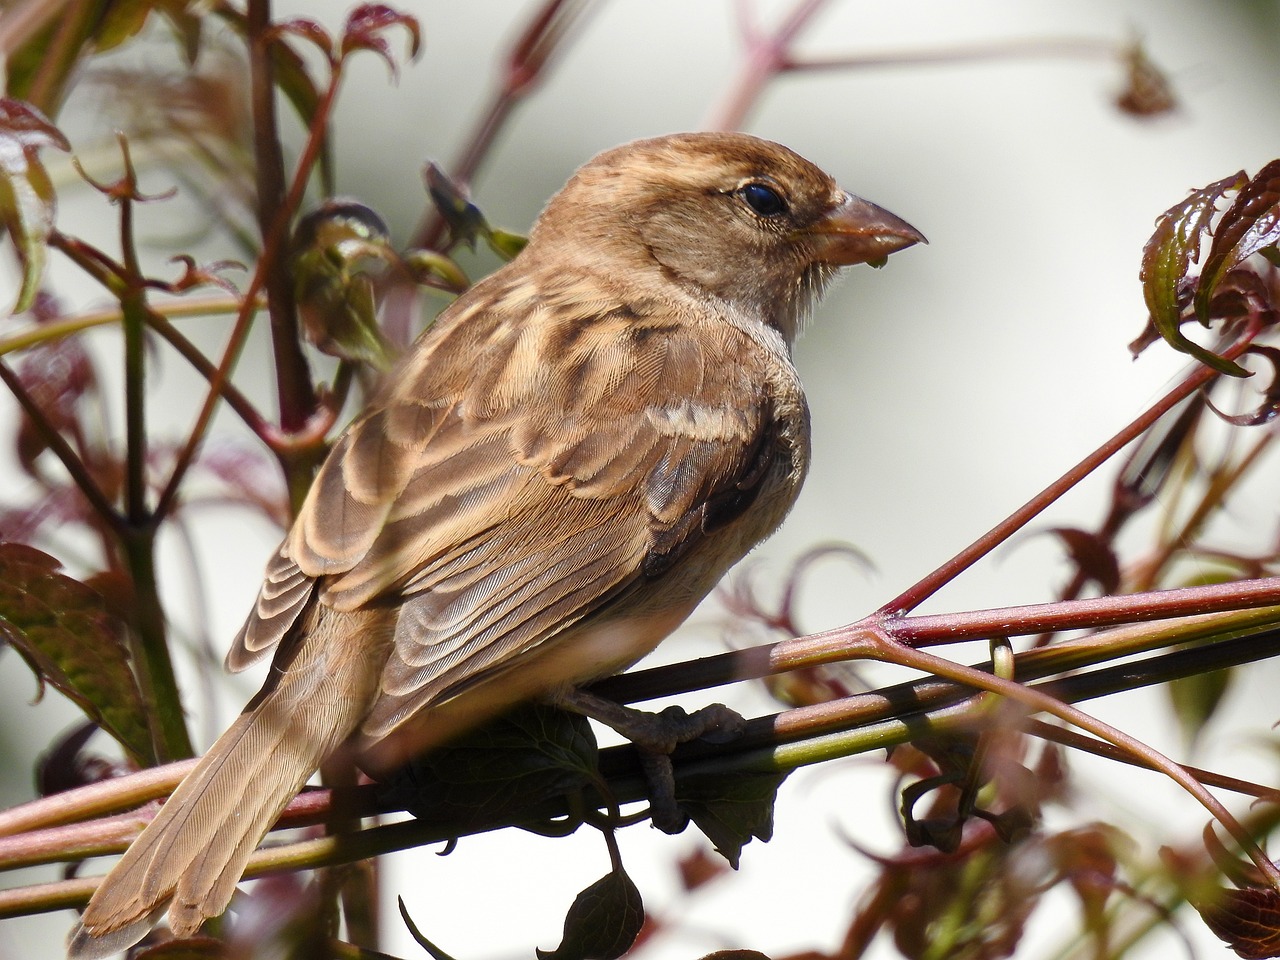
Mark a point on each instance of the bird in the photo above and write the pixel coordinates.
(555, 473)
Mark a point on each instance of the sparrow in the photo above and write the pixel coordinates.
(553, 476)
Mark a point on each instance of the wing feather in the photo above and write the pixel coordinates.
(516, 477)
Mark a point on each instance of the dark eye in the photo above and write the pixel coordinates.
(763, 199)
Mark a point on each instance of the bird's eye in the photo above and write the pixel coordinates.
(763, 199)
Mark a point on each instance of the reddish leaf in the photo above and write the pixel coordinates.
(67, 635)
(1169, 254)
(1148, 92)
(366, 27)
(1247, 920)
(304, 28)
(1094, 556)
(27, 201)
(1251, 223)
(1267, 410)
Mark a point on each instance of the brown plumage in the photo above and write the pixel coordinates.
(560, 468)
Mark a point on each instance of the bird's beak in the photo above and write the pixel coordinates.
(860, 232)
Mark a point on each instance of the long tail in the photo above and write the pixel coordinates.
(192, 855)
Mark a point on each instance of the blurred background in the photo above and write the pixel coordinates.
(946, 389)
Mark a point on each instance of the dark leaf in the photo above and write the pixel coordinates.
(338, 252)
(57, 374)
(603, 921)
(735, 955)
(65, 765)
(365, 29)
(65, 632)
(1148, 92)
(432, 950)
(466, 222)
(499, 771)
(1267, 410)
(730, 810)
(1166, 259)
(1247, 920)
(27, 202)
(1093, 555)
(1148, 468)
(1251, 223)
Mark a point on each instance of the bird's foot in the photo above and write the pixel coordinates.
(655, 736)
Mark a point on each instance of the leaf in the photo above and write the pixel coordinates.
(466, 222)
(498, 772)
(505, 243)
(1148, 92)
(65, 632)
(335, 250)
(27, 202)
(435, 270)
(1169, 254)
(1267, 410)
(603, 921)
(1251, 223)
(730, 810)
(365, 29)
(1247, 920)
(1093, 554)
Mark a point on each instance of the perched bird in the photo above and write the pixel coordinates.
(556, 473)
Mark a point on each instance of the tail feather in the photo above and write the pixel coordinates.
(191, 856)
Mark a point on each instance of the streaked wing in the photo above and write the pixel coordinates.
(521, 471)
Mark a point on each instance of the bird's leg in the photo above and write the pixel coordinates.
(655, 736)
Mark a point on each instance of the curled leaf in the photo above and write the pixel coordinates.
(365, 29)
(1269, 407)
(1168, 256)
(337, 252)
(435, 270)
(27, 202)
(466, 222)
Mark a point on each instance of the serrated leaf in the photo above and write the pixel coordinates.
(1246, 920)
(502, 769)
(730, 810)
(27, 202)
(1251, 223)
(65, 632)
(1168, 256)
(603, 921)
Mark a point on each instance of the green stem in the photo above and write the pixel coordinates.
(152, 662)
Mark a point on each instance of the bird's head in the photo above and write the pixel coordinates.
(721, 215)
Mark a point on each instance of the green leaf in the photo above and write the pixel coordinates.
(65, 632)
(435, 270)
(730, 810)
(27, 202)
(603, 921)
(505, 243)
(337, 252)
(499, 771)
(1169, 254)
